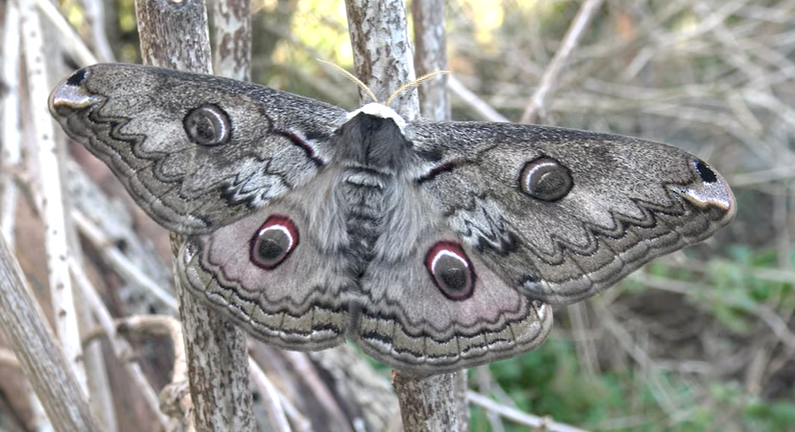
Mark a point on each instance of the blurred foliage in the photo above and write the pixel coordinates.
(550, 380)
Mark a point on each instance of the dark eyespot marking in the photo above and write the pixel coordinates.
(273, 242)
(705, 172)
(451, 270)
(208, 125)
(545, 179)
(77, 78)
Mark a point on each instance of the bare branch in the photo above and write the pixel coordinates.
(49, 373)
(430, 55)
(382, 50)
(479, 105)
(382, 57)
(52, 205)
(72, 41)
(176, 35)
(428, 403)
(537, 104)
(519, 417)
(232, 27)
(94, 12)
(126, 269)
(121, 349)
(271, 399)
(11, 153)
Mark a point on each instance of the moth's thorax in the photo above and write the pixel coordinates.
(373, 139)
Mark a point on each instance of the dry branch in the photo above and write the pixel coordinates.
(382, 55)
(430, 55)
(121, 349)
(383, 61)
(53, 203)
(25, 326)
(536, 107)
(11, 153)
(176, 35)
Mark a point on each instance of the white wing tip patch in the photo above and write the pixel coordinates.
(704, 195)
(72, 96)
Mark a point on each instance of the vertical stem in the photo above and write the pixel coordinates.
(10, 151)
(430, 55)
(382, 51)
(175, 34)
(94, 13)
(427, 404)
(383, 61)
(52, 205)
(232, 50)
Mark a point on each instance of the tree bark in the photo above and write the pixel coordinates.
(176, 35)
(383, 61)
(430, 55)
(232, 51)
(43, 363)
(382, 51)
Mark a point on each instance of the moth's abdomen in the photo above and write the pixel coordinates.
(362, 196)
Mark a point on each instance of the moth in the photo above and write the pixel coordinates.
(435, 246)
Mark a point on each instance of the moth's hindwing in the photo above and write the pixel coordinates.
(441, 308)
(269, 272)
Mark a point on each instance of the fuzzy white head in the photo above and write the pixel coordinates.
(381, 111)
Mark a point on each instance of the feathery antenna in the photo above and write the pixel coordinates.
(414, 84)
(351, 77)
(404, 87)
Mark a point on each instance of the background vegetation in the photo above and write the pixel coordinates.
(701, 340)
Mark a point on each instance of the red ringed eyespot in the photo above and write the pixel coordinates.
(273, 242)
(451, 270)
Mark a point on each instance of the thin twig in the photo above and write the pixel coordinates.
(120, 347)
(119, 261)
(777, 325)
(659, 387)
(537, 105)
(479, 105)
(94, 13)
(80, 52)
(518, 416)
(271, 399)
(580, 323)
(54, 214)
